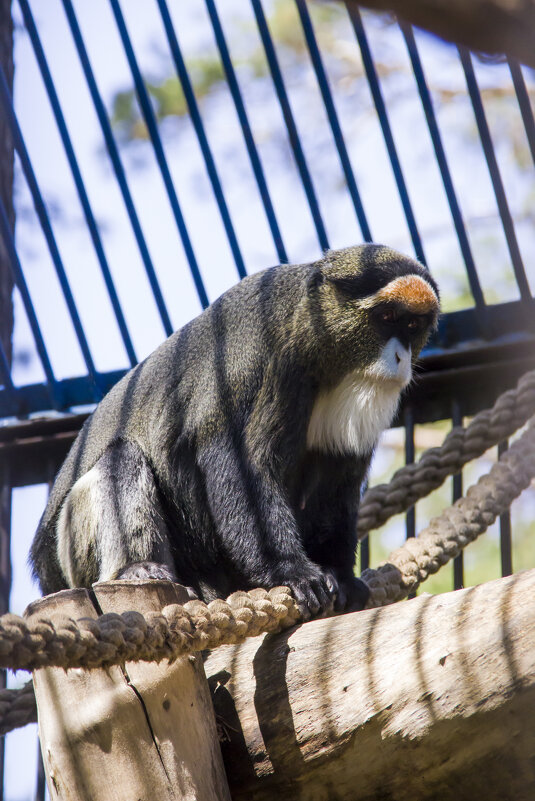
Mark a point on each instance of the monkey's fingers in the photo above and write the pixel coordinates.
(312, 596)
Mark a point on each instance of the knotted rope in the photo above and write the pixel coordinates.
(17, 708)
(414, 481)
(458, 525)
(112, 639)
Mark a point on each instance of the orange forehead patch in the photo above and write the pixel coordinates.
(412, 291)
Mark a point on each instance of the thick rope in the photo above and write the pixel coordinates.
(113, 639)
(458, 525)
(17, 708)
(415, 481)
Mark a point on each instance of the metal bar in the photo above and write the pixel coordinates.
(254, 158)
(457, 492)
(506, 550)
(5, 578)
(117, 166)
(410, 515)
(6, 100)
(152, 127)
(291, 127)
(524, 103)
(40, 784)
(442, 162)
(495, 177)
(330, 108)
(5, 373)
(77, 177)
(52, 386)
(408, 420)
(380, 106)
(201, 135)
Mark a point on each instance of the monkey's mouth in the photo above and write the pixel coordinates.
(393, 366)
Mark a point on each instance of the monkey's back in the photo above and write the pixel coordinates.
(218, 357)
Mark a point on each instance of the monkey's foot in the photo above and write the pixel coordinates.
(352, 595)
(147, 570)
(153, 570)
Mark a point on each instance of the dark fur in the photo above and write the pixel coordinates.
(203, 445)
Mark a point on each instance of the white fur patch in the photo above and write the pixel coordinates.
(351, 417)
(85, 544)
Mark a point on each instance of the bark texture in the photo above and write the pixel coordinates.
(430, 698)
(135, 732)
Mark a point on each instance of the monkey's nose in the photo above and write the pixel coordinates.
(398, 358)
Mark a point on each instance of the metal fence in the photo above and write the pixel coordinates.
(477, 352)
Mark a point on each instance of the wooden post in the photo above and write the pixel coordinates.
(127, 733)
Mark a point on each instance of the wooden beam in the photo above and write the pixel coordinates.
(429, 698)
(125, 733)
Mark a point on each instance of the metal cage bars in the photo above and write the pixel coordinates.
(93, 390)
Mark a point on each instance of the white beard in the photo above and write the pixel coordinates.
(349, 418)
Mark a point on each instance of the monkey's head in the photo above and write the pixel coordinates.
(376, 307)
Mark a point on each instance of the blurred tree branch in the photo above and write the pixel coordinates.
(491, 26)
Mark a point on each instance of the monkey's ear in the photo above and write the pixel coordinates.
(315, 279)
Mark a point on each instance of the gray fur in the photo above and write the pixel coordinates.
(196, 465)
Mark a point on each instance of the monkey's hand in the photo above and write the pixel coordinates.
(314, 590)
(351, 595)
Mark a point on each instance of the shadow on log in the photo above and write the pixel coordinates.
(430, 698)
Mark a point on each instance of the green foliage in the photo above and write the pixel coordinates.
(167, 98)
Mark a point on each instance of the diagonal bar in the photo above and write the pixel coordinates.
(330, 108)
(117, 166)
(40, 208)
(77, 177)
(197, 123)
(152, 127)
(254, 158)
(289, 120)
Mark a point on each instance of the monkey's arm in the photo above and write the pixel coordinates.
(257, 528)
(329, 500)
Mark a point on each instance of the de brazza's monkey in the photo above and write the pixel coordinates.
(233, 457)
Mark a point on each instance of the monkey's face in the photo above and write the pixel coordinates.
(379, 308)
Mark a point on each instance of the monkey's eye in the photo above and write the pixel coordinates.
(415, 324)
(388, 316)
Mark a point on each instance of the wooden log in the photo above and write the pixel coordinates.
(432, 698)
(127, 733)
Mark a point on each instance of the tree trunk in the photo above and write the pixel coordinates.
(429, 698)
(132, 732)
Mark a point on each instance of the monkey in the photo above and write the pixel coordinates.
(234, 456)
